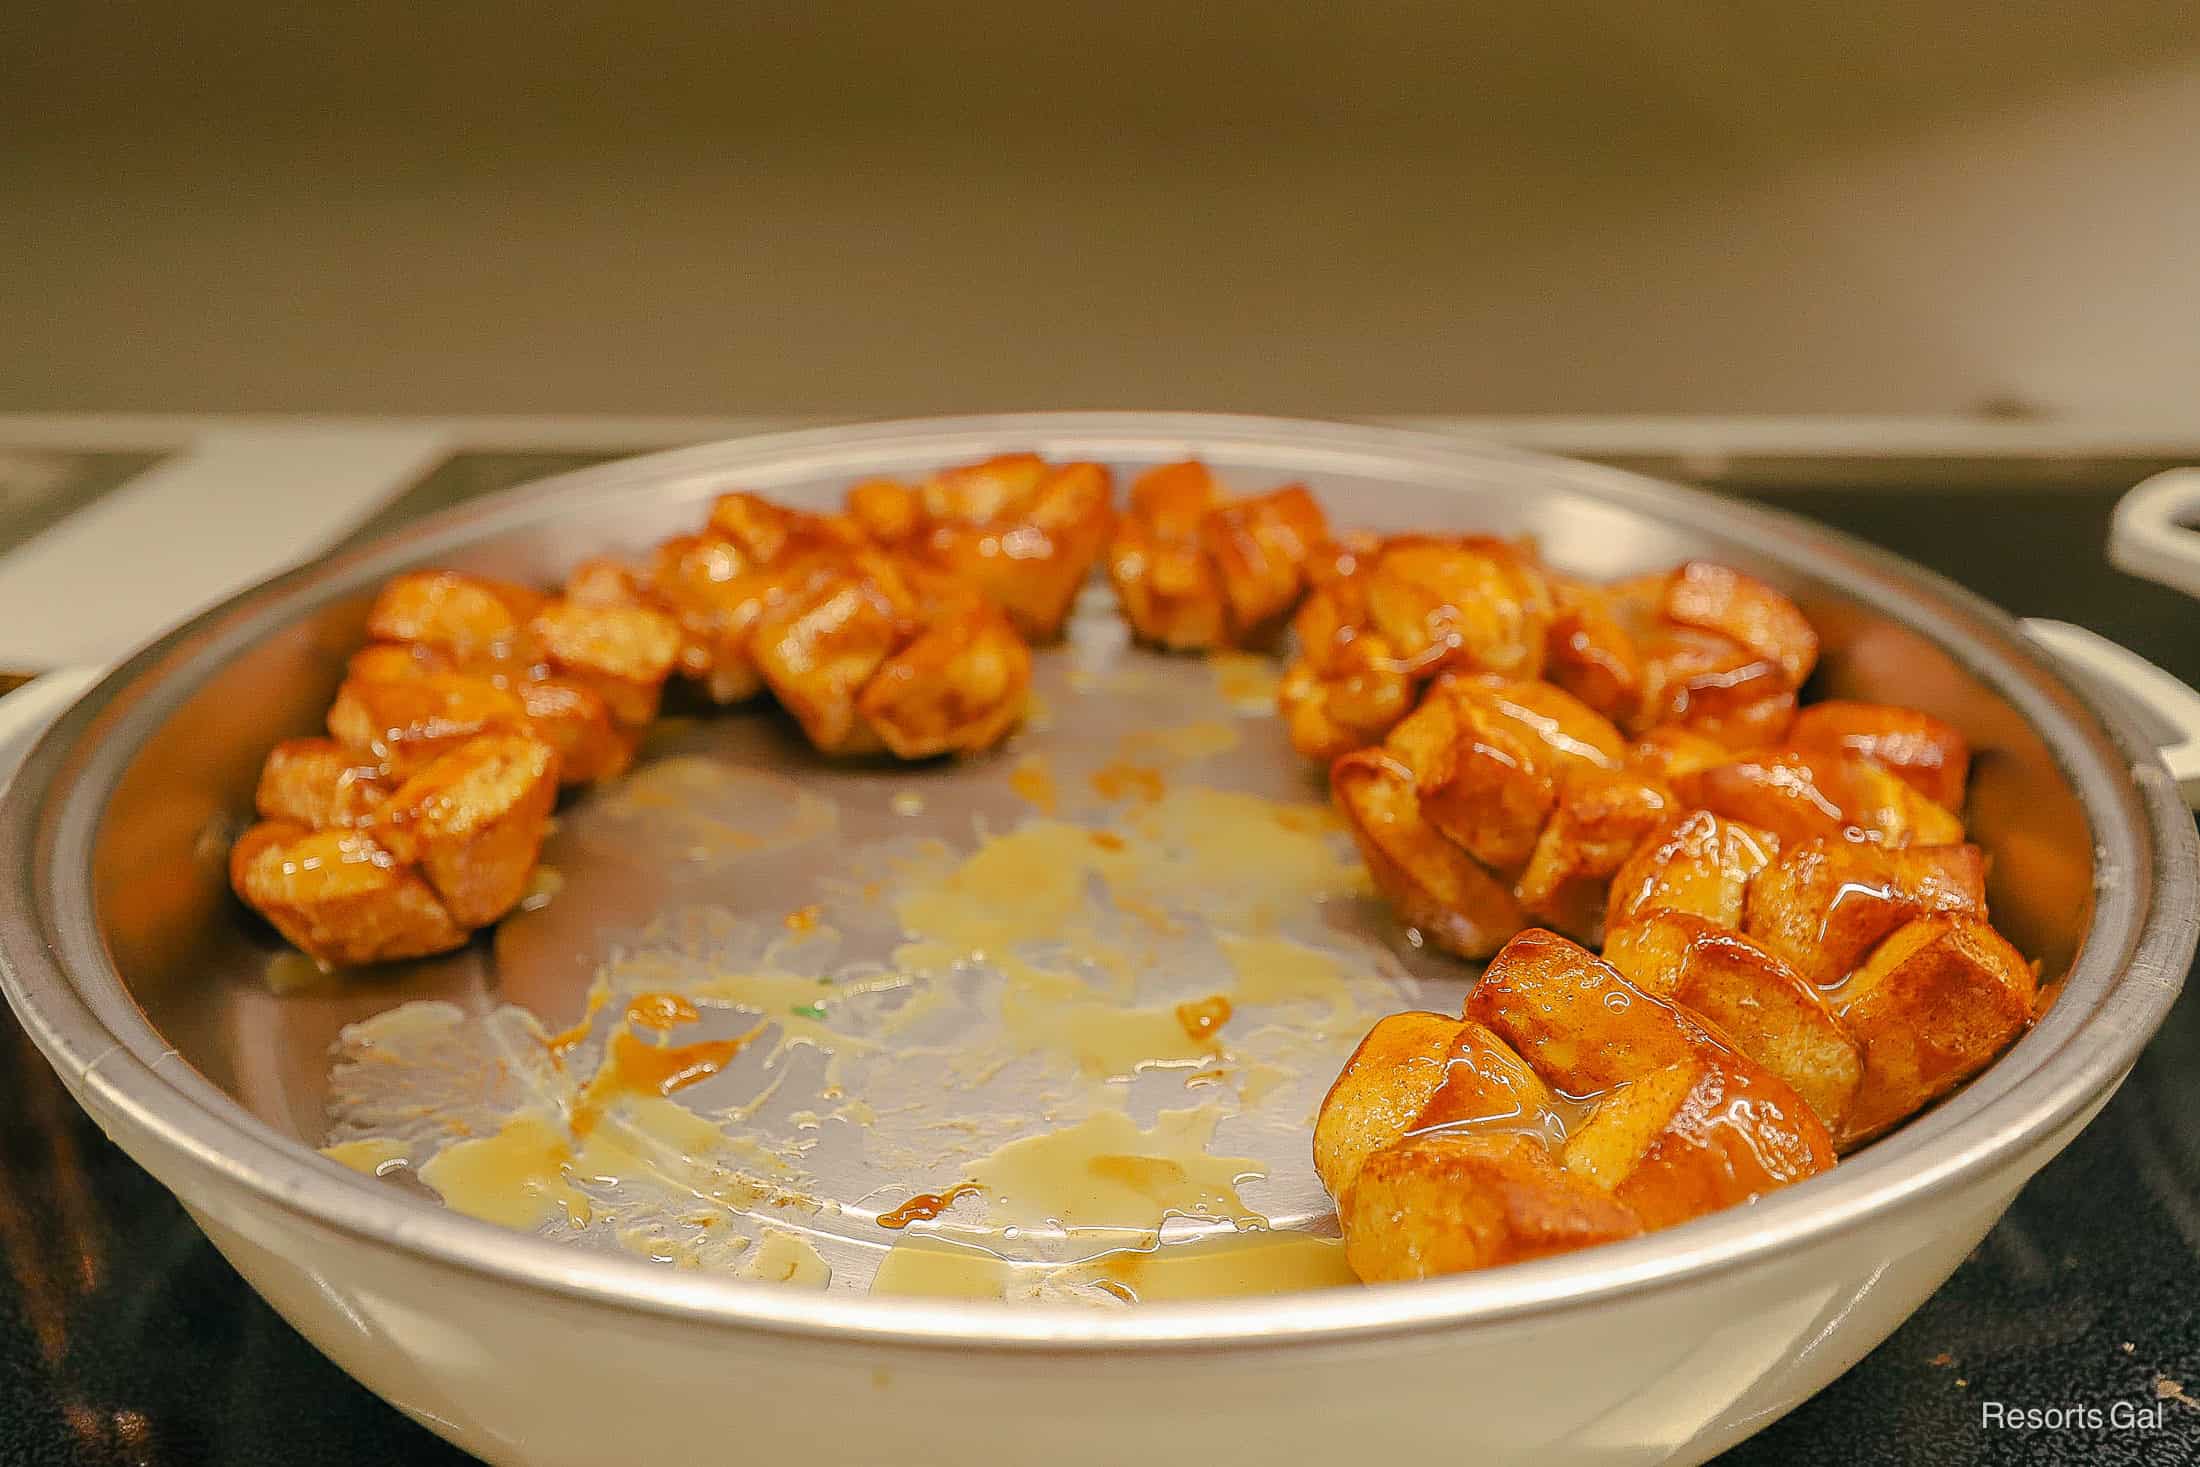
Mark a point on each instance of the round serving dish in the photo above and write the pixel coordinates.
(1666, 1348)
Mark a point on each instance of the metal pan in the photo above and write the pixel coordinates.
(145, 986)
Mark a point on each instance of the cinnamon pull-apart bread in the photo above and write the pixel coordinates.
(1692, 1068)
(420, 817)
(1196, 570)
(1796, 951)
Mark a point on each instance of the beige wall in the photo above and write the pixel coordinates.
(1384, 207)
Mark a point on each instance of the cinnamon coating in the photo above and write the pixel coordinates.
(1194, 570)
(1022, 532)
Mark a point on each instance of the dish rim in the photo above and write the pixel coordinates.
(2128, 969)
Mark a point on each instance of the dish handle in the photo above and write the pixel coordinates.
(2155, 531)
(2149, 535)
(2167, 709)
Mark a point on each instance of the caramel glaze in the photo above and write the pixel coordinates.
(1204, 1017)
(635, 1067)
(566, 1040)
(927, 1205)
(660, 1011)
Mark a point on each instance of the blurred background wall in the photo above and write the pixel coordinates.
(1387, 206)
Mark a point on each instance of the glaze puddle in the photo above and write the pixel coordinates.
(1084, 995)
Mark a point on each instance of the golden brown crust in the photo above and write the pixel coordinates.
(1695, 862)
(1259, 547)
(1672, 1122)
(319, 782)
(1488, 1089)
(1798, 794)
(405, 724)
(820, 645)
(1408, 641)
(958, 687)
(1440, 1204)
(1826, 903)
(473, 821)
(1494, 757)
(1478, 786)
(1714, 687)
(575, 720)
(1380, 1092)
(1164, 582)
(1602, 817)
(1354, 700)
(1573, 1018)
(716, 595)
(1701, 647)
(1758, 1004)
(1718, 598)
(1194, 571)
(623, 653)
(1020, 530)
(1931, 1006)
(1431, 883)
(338, 896)
(1463, 604)
(898, 627)
(1924, 752)
(451, 847)
(1706, 1132)
(462, 615)
(1591, 653)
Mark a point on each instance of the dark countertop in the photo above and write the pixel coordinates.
(124, 1337)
